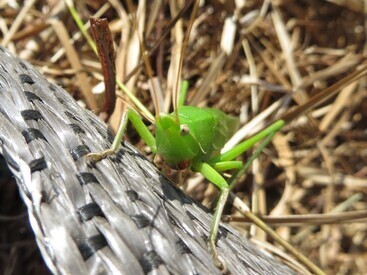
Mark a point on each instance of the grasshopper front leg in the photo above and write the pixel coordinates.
(274, 128)
(211, 172)
(143, 131)
(213, 176)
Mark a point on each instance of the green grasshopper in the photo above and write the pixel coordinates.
(192, 138)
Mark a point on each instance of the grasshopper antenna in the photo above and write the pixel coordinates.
(148, 68)
(326, 94)
(166, 31)
(184, 45)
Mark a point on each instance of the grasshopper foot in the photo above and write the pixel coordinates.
(95, 157)
(218, 260)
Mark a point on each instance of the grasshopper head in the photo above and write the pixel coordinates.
(175, 142)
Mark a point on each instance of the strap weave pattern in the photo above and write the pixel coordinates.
(118, 216)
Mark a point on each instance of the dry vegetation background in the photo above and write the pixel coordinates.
(311, 182)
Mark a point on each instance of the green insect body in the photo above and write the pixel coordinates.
(193, 138)
(198, 135)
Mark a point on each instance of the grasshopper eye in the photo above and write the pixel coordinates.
(184, 130)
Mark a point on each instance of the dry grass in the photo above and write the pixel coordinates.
(311, 182)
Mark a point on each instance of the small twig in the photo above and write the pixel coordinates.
(103, 38)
